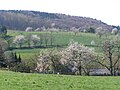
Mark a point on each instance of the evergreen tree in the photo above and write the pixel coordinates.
(19, 58)
(2, 58)
(3, 31)
(15, 57)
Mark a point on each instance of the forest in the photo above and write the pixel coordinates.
(22, 19)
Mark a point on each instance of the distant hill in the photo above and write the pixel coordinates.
(19, 20)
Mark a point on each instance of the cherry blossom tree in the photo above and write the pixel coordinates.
(35, 39)
(49, 61)
(79, 56)
(75, 58)
(19, 39)
(114, 31)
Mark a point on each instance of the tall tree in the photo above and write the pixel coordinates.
(3, 31)
(20, 39)
(35, 39)
(28, 40)
(111, 56)
(80, 57)
(19, 58)
(2, 58)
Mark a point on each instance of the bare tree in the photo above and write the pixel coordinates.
(41, 36)
(35, 39)
(46, 38)
(51, 38)
(111, 56)
(28, 40)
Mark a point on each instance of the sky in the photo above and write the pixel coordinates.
(104, 10)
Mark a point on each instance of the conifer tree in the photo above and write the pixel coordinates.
(2, 57)
(19, 58)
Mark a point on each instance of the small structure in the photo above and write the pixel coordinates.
(100, 71)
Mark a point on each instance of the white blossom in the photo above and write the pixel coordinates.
(35, 39)
(114, 31)
(92, 42)
(19, 39)
(29, 29)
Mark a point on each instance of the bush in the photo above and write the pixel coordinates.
(21, 67)
(91, 30)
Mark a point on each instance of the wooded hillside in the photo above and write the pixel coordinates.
(19, 20)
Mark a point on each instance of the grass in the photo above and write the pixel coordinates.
(24, 81)
(31, 53)
(63, 38)
(27, 53)
(60, 38)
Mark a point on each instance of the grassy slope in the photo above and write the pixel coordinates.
(22, 81)
(61, 38)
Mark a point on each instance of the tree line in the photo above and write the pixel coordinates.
(74, 59)
(19, 20)
(82, 60)
(31, 41)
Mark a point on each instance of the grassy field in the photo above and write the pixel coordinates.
(60, 38)
(63, 38)
(27, 53)
(24, 81)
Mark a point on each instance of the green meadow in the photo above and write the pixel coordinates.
(24, 81)
(33, 81)
(61, 39)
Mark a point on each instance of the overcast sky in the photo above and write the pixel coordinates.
(104, 10)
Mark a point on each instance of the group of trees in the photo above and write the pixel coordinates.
(75, 59)
(100, 31)
(79, 59)
(19, 20)
(33, 40)
(13, 61)
(8, 59)
(111, 56)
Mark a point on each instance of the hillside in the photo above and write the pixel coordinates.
(19, 20)
(24, 81)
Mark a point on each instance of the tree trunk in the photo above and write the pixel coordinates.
(111, 64)
(20, 46)
(80, 70)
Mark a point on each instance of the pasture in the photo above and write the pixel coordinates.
(60, 40)
(63, 38)
(24, 81)
(33, 81)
